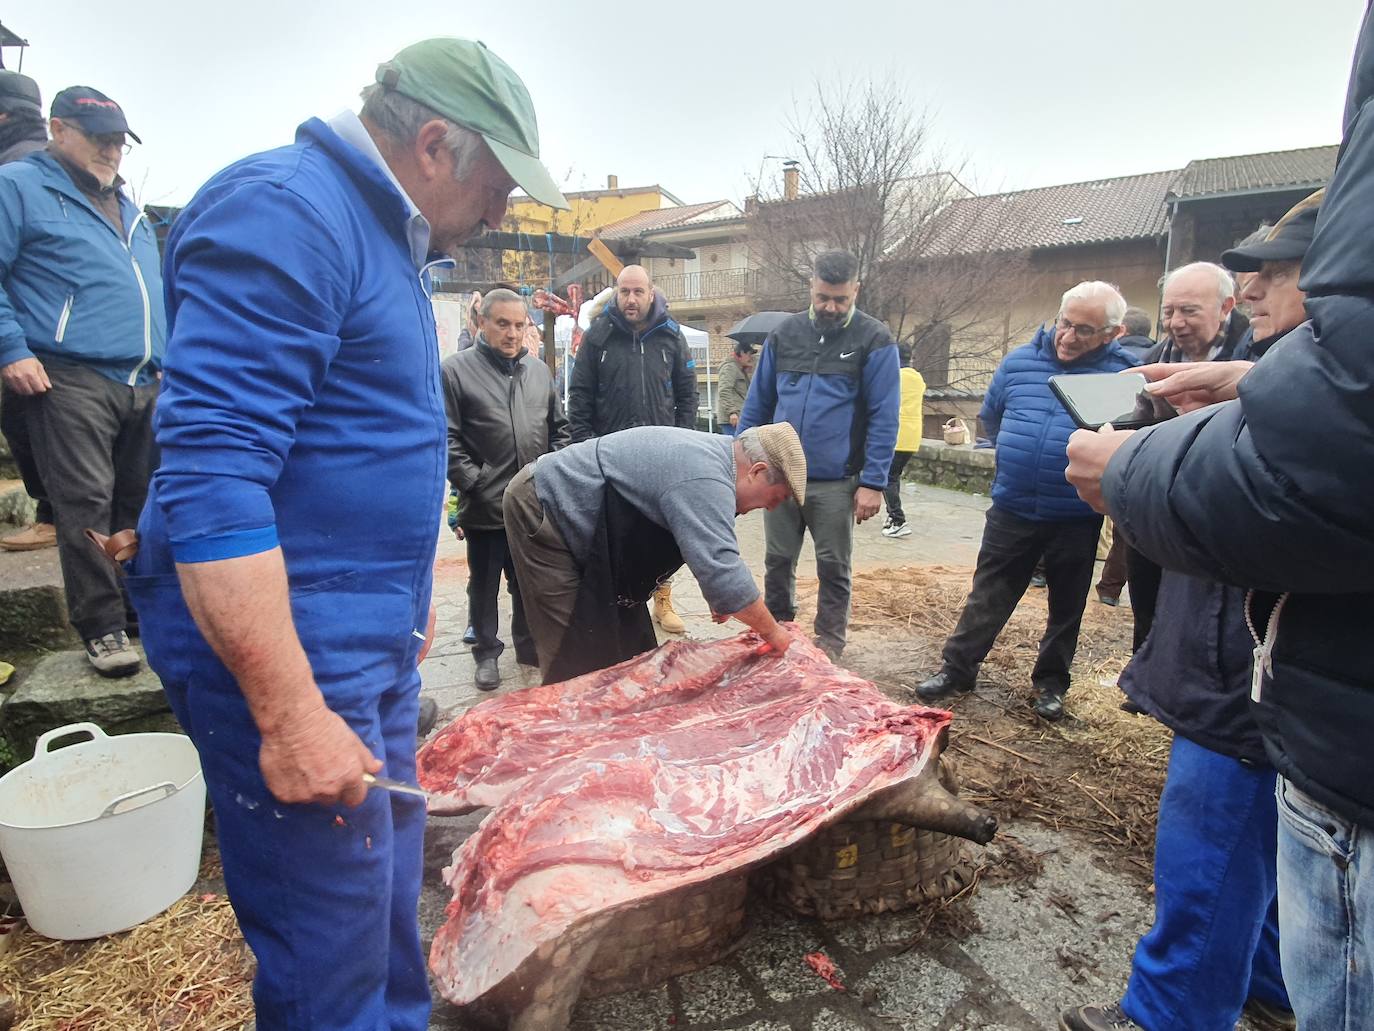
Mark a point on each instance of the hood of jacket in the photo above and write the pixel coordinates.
(658, 315)
(1341, 257)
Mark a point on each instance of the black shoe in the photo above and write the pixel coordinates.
(488, 677)
(1107, 599)
(1268, 1017)
(1050, 706)
(1097, 1018)
(1037, 580)
(942, 685)
(429, 715)
(469, 636)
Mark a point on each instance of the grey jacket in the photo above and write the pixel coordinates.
(732, 387)
(503, 413)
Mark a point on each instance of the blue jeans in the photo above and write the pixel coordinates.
(1326, 909)
(1214, 942)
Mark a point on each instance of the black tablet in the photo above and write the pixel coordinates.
(1094, 399)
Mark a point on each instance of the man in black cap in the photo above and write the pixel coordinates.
(22, 129)
(1214, 945)
(82, 329)
(22, 132)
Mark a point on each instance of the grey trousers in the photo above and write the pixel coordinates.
(93, 442)
(829, 514)
(544, 567)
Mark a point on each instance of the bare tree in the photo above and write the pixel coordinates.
(869, 178)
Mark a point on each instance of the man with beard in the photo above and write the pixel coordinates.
(634, 368)
(503, 413)
(82, 329)
(833, 373)
(1214, 945)
(287, 548)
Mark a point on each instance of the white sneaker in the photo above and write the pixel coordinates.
(112, 655)
(898, 530)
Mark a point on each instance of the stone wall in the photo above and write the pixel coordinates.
(954, 468)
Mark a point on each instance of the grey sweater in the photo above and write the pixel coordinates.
(680, 479)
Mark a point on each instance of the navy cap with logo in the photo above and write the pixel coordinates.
(19, 93)
(1287, 241)
(91, 111)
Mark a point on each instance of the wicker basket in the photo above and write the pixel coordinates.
(868, 866)
(669, 936)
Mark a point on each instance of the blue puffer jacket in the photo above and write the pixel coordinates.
(300, 405)
(73, 289)
(1031, 428)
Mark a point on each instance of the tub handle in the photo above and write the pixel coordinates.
(167, 788)
(41, 747)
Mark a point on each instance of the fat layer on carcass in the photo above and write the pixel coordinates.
(695, 760)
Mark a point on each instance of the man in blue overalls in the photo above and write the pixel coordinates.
(285, 567)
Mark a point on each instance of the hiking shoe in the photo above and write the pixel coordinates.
(897, 530)
(1037, 580)
(942, 685)
(1268, 1016)
(488, 677)
(1097, 1018)
(1107, 599)
(429, 715)
(31, 538)
(112, 655)
(664, 613)
(1050, 706)
(469, 636)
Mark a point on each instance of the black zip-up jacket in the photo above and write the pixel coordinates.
(1274, 491)
(622, 378)
(503, 413)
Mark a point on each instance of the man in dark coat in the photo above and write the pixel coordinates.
(22, 132)
(503, 413)
(634, 368)
(1270, 489)
(1214, 946)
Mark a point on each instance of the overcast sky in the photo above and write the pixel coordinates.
(695, 95)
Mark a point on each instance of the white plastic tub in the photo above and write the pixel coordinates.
(104, 834)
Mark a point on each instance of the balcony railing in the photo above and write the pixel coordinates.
(713, 285)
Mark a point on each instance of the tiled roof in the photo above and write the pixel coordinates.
(1310, 167)
(1107, 210)
(664, 218)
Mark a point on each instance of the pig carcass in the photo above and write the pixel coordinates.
(697, 761)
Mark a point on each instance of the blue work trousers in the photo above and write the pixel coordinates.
(1215, 939)
(327, 896)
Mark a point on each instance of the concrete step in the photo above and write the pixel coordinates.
(63, 688)
(33, 606)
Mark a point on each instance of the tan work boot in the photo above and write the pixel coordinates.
(31, 538)
(664, 615)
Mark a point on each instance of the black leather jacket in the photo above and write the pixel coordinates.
(503, 413)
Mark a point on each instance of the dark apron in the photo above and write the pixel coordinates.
(629, 557)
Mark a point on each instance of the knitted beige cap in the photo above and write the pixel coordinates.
(783, 447)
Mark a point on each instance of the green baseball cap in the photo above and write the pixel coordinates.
(466, 83)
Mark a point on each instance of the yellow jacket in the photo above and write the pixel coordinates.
(913, 394)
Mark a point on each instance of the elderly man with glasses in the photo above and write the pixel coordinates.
(1032, 515)
(82, 330)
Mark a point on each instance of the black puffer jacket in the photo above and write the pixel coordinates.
(503, 413)
(1275, 491)
(622, 378)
